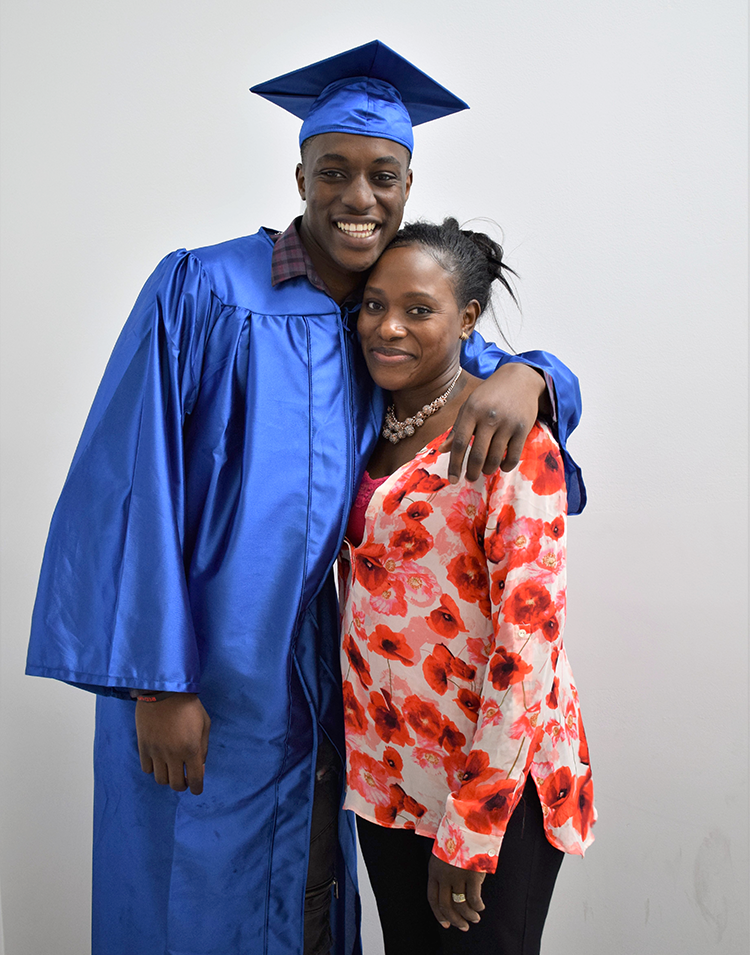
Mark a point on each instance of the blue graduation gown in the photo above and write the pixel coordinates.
(191, 550)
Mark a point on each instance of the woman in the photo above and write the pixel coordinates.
(467, 761)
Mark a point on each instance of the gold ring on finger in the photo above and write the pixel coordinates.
(458, 896)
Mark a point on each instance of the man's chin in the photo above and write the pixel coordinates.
(357, 262)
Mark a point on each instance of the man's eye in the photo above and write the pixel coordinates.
(384, 178)
(331, 173)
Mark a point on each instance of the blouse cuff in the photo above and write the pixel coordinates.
(466, 849)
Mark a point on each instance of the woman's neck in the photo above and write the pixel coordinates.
(407, 402)
(388, 457)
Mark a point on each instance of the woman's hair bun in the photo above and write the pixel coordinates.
(492, 251)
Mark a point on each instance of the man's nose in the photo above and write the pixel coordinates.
(358, 195)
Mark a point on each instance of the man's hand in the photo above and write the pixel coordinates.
(443, 881)
(499, 415)
(173, 740)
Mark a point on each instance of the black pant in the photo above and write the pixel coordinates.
(324, 841)
(516, 897)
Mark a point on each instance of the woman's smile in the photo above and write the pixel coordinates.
(390, 356)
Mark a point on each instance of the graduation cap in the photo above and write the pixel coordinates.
(367, 91)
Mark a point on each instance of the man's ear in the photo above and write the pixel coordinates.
(409, 178)
(299, 175)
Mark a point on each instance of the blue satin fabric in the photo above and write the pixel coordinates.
(363, 106)
(191, 550)
(482, 359)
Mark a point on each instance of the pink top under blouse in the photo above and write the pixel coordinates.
(356, 527)
(456, 681)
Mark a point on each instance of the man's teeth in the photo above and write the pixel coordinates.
(363, 229)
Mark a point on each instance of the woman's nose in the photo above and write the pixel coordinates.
(391, 326)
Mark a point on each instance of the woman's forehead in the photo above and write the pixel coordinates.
(414, 260)
(410, 268)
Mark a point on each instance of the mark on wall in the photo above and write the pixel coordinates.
(713, 872)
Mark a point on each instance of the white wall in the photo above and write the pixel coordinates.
(607, 138)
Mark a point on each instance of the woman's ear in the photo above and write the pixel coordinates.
(469, 318)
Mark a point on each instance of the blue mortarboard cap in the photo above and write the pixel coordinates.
(367, 91)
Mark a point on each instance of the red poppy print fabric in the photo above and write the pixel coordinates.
(456, 681)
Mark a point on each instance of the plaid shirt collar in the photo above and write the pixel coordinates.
(290, 259)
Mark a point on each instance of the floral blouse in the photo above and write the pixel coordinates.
(456, 681)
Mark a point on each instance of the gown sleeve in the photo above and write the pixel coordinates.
(524, 546)
(112, 608)
(482, 358)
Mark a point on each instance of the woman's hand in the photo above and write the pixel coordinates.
(498, 414)
(173, 741)
(443, 882)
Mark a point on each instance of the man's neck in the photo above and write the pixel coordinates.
(342, 285)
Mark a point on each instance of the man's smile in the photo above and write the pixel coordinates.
(359, 230)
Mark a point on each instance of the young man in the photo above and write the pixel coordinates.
(188, 563)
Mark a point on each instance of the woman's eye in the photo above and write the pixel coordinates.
(371, 306)
(420, 310)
